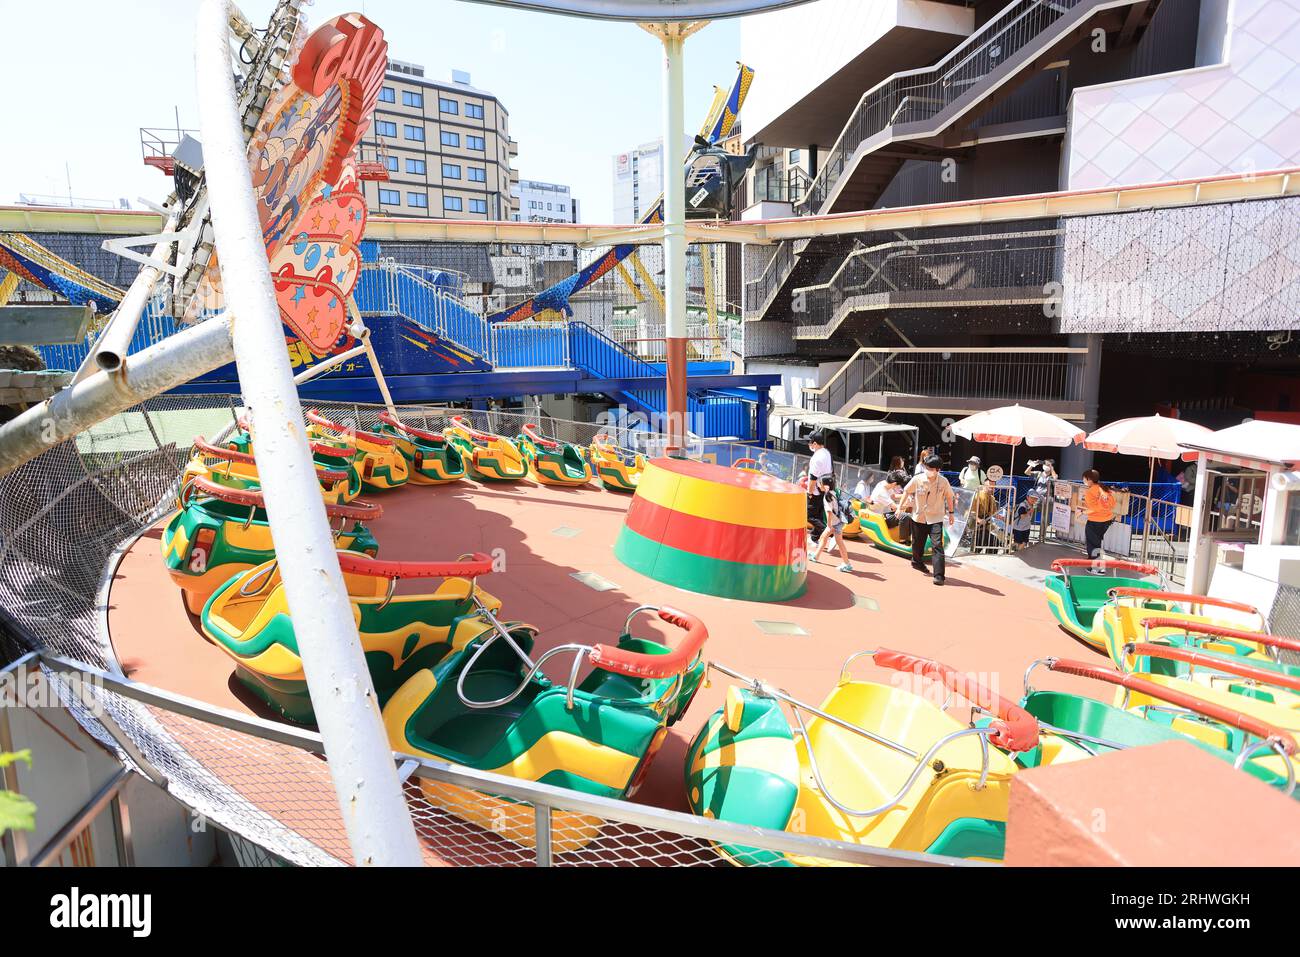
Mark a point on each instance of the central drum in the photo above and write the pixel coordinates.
(720, 531)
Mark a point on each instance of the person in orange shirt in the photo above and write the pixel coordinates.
(1098, 508)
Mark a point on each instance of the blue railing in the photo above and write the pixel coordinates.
(385, 289)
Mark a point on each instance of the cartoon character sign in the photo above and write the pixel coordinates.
(315, 273)
(308, 201)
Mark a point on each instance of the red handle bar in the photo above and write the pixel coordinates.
(480, 564)
(1230, 665)
(316, 418)
(1169, 596)
(402, 427)
(325, 475)
(1017, 729)
(460, 423)
(739, 462)
(1063, 563)
(1236, 719)
(361, 511)
(1223, 631)
(530, 430)
(637, 665)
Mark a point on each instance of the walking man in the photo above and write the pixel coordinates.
(820, 466)
(930, 498)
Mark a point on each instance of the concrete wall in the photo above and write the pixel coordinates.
(69, 767)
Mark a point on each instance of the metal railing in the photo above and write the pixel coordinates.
(916, 95)
(966, 268)
(638, 833)
(760, 292)
(1029, 373)
(1164, 539)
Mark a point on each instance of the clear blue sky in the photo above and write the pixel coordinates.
(578, 91)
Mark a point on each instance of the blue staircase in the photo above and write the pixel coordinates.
(600, 357)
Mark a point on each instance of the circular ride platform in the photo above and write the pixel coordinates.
(561, 574)
(719, 531)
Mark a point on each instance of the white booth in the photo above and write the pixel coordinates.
(1245, 541)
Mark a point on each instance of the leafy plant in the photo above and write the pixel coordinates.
(16, 812)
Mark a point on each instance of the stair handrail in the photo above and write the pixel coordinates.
(976, 41)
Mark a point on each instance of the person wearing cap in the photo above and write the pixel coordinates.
(972, 476)
(1024, 520)
(929, 498)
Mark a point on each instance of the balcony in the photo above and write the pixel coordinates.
(954, 381)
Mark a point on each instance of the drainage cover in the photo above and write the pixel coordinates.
(862, 601)
(594, 581)
(780, 628)
(566, 531)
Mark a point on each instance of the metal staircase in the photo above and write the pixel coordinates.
(893, 118)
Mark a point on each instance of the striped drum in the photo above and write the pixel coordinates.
(720, 531)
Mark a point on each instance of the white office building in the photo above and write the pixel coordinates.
(638, 180)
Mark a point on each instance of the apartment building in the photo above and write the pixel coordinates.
(1188, 310)
(446, 147)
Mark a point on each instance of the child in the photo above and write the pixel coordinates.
(835, 520)
(1024, 519)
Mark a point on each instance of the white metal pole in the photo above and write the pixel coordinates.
(674, 236)
(361, 331)
(110, 352)
(1146, 529)
(152, 371)
(361, 763)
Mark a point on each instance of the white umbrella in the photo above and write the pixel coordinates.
(1152, 437)
(1013, 424)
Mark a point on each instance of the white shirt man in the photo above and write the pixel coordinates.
(884, 498)
(820, 465)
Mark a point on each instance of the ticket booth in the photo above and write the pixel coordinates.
(1245, 541)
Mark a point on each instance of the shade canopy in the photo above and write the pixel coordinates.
(1014, 424)
(1256, 443)
(1150, 436)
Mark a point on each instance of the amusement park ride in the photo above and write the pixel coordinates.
(285, 570)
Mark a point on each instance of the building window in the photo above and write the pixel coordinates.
(450, 171)
(414, 132)
(474, 111)
(450, 139)
(418, 200)
(385, 128)
(478, 205)
(477, 174)
(390, 197)
(410, 98)
(412, 166)
(794, 156)
(448, 106)
(561, 206)
(475, 142)
(391, 163)
(452, 204)
(386, 95)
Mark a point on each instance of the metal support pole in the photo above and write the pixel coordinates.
(1146, 527)
(162, 366)
(359, 326)
(542, 830)
(374, 811)
(674, 239)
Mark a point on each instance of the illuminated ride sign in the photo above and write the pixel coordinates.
(308, 199)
